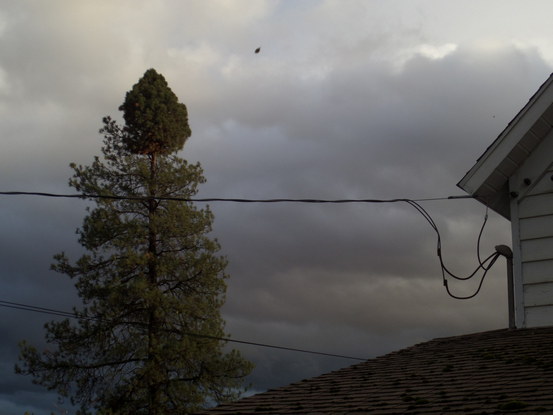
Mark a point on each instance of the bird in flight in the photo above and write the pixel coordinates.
(257, 50)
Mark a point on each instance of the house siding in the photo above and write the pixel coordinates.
(514, 178)
(535, 223)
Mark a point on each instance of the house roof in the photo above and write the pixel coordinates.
(495, 372)
(488, 179)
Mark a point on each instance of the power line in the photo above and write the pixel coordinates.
(234, 200)
(484, 265)
(59, 313)
(19, 306)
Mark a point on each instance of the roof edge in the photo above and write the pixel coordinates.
(488, 162)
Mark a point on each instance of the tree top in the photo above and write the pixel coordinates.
(155, 121)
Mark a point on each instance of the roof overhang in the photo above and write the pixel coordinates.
(488, 180)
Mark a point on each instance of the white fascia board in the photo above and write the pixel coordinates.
(518, 286)
(508, 139)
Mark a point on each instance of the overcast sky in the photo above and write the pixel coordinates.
(347, 99)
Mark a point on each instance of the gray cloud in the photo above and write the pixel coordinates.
(321, 112)
(372, 267)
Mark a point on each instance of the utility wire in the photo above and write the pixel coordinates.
(480, 236)
(482, 265)
(51, 311)
(235, 200)
(19, 306)
(485, 265)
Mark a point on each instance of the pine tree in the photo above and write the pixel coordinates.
(151, 282)
(155, 122)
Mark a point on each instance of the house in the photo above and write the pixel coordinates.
(514, 177)
(495, 372)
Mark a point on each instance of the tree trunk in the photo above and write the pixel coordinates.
(153, 323)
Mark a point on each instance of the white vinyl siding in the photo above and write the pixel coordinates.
(535, 221)
(538, 316)
(536, 272)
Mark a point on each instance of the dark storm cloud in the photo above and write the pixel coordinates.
(372, 267)
(321, 112)
(419, 147)
(368, 126)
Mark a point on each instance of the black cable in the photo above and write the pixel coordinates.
(59, 313)
(413, 202)
(468, 297)
(235, 200)
(492, 258)
(275, 347)
(481, 266)
(19, 306)
(480, 236)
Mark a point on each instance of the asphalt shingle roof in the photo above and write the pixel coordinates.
(495, 372)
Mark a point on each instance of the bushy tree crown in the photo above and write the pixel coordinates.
(155, 121)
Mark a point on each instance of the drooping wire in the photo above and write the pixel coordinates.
(60, 313)
(485, 265)
(490, 261)
(494, 258)
(480, 236)
(482, 265)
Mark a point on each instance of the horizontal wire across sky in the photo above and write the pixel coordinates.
(412, 202)
(235, 200)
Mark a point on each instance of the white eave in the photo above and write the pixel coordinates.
(488, 179)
